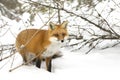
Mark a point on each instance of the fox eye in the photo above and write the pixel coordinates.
(56, 35)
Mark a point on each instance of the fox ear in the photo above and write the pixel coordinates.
(64, 24)
(51, 26)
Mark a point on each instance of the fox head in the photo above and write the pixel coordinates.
(58, 33)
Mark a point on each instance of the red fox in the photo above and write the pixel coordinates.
(34, 41)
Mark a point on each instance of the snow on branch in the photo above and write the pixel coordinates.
(8, 13)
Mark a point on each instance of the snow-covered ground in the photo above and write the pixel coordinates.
(97, 65)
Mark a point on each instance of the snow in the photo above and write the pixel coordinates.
(97, 65)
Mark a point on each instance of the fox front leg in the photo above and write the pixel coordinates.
(38, 62)
(48, 63)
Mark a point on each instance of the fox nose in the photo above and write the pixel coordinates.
(62, 41)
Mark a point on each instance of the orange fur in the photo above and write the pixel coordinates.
(34, 41)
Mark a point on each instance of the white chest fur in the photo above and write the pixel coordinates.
(51, 50)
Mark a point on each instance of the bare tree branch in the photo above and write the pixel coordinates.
(8, 13)
(48, 6)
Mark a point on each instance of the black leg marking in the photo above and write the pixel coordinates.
(24, 58)
(38, 63)
(50, 66)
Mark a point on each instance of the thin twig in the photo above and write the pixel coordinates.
(4, 64)
(116, 3)
(13, 59)
(92, 48)
(7, 57)
(25, 63)
(38, 31)
(59, 20)
(108, 24)
(73, 13)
